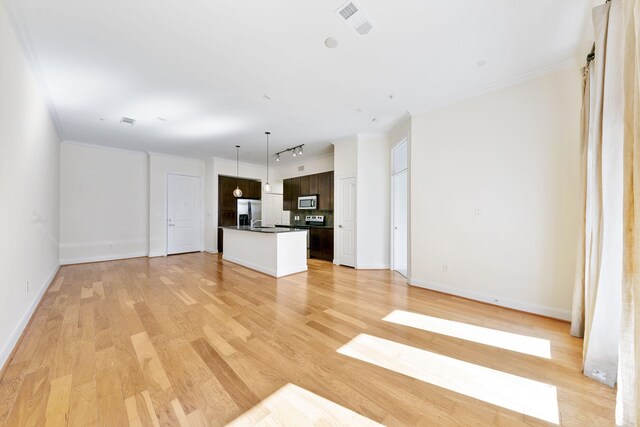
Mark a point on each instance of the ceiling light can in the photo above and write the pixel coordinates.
(331, 42)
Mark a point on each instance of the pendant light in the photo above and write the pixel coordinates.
(237, 192)
(267, 187)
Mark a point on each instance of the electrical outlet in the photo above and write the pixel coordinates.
(477, 213)
(28, 286)
(445, 268)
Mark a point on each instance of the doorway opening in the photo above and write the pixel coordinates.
(400, 208)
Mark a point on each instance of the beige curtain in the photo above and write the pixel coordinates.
(628, 410)
(606, 305)
(597, 294)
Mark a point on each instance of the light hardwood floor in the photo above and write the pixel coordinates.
(194, 340)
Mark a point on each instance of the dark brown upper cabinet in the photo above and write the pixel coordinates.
(295, 191)
(226, 201)
(325, 191)
(313, 184)
(255, 190)
(304, 186)
(287, 195)
(320, 184)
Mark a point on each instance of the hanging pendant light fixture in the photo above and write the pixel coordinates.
(267, 187)
(237, 192)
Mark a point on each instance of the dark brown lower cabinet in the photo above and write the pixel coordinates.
(321, 243)
(220, 237)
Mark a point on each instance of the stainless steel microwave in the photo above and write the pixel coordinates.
(308, 202)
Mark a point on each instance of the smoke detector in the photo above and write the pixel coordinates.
(127, 120)
(355, 17)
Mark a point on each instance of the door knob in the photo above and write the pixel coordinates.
(339, 226)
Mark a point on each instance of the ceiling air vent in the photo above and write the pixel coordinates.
(301, 168)
(127, 120)
(348, 10)
(355, 17)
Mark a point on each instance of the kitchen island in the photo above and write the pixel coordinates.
(274, 251)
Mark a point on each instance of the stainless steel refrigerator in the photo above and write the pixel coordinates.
(249, 211)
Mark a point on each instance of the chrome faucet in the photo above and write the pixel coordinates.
(255, 221)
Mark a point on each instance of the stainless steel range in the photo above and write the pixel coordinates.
(317, 220)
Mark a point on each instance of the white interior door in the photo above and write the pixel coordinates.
(400, 221)
(184, 214)
(347, 222)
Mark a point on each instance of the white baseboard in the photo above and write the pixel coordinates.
(156, 254)
(542, 310)
(102, 250)
(372, 267)
(111, 257)
(262, 269)
(211, 250)
(293, 270)
(17, 331)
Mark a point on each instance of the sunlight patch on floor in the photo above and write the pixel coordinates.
(512, 392)
(506, 340)
(295, 406)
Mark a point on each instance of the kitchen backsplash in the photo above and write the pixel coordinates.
(328, 216)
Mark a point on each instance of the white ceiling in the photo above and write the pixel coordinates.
(205, 65)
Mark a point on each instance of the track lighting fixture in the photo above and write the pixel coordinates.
(295, 151)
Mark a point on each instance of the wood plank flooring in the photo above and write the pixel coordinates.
(194, 340)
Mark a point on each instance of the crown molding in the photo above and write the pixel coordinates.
(575, 62)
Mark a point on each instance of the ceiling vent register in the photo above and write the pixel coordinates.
(355, 17)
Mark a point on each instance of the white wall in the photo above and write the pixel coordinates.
(512, 155)
(372, 205)
(104, 203)
(345, 153)
(366, 157)
(214, 168)
(160, 165)
(29, 191)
